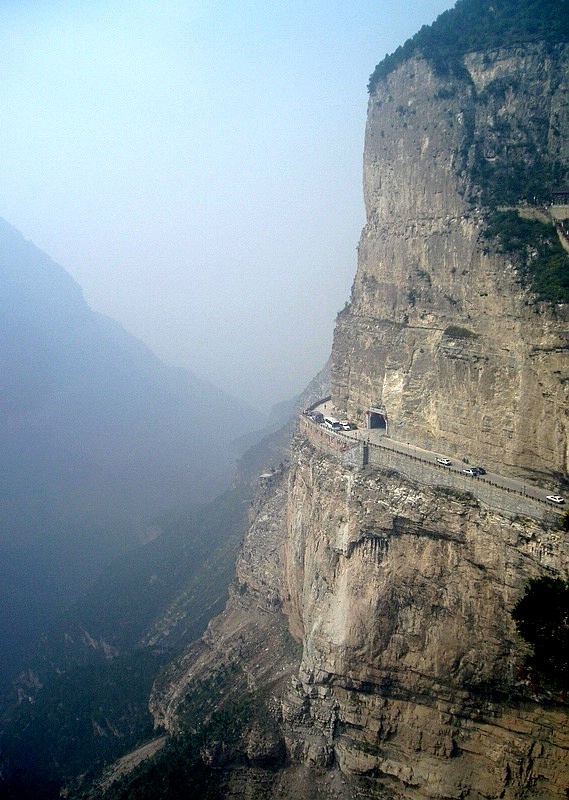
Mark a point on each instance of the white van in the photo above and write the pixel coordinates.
(332, 423)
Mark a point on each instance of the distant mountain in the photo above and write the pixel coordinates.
(96, 436)
(83, 698)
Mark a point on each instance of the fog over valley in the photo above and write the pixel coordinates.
(284, 408)
(180, 194)
(197, 168)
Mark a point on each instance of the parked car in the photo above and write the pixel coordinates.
(348, 426)
(332, 423)
(555, 498)
(445, 462)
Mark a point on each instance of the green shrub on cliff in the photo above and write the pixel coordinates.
(536, 252)
(457, 332)
(542, 620)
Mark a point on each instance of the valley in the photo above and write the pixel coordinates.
(343, 620)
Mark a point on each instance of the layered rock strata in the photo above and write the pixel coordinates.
(404, 681)
(440, 331)
(402, 597)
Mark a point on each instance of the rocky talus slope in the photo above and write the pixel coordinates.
(404, 681)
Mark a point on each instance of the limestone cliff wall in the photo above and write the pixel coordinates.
(400, 594)
(495, 391)
(402, 597)
(403, 681)
(404, 678)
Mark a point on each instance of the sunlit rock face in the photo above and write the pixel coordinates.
(399, 595)
(440, 331)
(402, 595)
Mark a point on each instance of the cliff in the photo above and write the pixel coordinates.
(442, 331)
(401, 596)
(405, 681)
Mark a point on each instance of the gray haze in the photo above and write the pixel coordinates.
(196, 166)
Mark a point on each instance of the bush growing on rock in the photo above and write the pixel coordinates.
(542, 620)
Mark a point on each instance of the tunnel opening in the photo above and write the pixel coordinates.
(377, 418)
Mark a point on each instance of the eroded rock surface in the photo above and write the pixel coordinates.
(404, 681)
(402, 596)
(440, 331)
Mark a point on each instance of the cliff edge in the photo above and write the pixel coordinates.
(379, 649)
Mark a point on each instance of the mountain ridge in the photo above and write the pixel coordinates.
(96, 435)
(478, 26)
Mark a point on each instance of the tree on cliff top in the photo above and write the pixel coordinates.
(542, 620)
(480, 25)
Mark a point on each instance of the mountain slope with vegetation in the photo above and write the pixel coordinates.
(479, 26)
(96, 437)
(83, 699)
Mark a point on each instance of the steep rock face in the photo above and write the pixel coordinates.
(402, 595)
(405, 682)
(440, 330)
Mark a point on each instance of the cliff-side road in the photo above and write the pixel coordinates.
(373, 448)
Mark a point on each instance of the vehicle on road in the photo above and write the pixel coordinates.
(348, 426)
(472, 472)
(479, 470)
(332, 423)
(555, 498)
(445, 462)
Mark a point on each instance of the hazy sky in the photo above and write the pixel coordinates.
(196, 166)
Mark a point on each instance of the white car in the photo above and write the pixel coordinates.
(554, 498)
(348, 426)
(445, 462)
